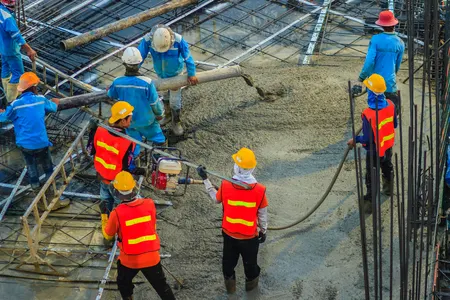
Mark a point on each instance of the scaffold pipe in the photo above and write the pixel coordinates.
(160, 84)
(101, 32)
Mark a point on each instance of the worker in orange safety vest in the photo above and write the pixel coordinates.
(112, 154)
(383, 110)
(134, 221)
(244, 211)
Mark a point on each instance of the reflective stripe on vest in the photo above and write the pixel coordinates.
(385, 127)
(240, 208)
(110, 151)
(137, 227)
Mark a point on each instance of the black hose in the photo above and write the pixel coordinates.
(324, 196)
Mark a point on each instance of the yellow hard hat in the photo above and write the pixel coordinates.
(120, 110)
(245, 158)
(375, 83)
(27, 80)
(124, 181)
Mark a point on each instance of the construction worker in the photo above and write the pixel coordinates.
(141, 93)
(134, 221)
(244, 210)
(170, 52)
(112, 154)
(28, 116)
(381, 148)
(11, 42)
(385, 55)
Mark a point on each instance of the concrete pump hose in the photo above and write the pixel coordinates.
(324, 196)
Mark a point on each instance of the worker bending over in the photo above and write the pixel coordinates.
(384, 56)
(112, 154)
(170, 52)
(244, 210)
(28, 116)
(381, 148)
(11, 42)
(134, 222)
(141, 93)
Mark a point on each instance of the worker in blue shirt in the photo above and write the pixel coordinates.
(170, 52)
(385, 55)
(140, 92)
(11, 42)
(27, 113)
(379, 119)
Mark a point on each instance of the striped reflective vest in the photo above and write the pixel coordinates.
(109, 153)
(137, 227)
(386, 130)
(240, 208)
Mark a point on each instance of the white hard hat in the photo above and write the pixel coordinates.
(132, 56)
(162, 40)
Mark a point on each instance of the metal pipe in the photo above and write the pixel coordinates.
(13, 193)
(101, 32)
(112, 255)
(160, 84)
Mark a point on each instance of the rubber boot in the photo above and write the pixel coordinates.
(11, 93)
(5, 82)
(230, 285)
(167, 114)
(251, 284)
(60, 204)
(129, 298)
(176, 123)
(368, 203)
(4, 100)
(387, 186)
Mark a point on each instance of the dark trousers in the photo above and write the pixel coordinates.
(395, 99)
(248, 249)
(33, 158)
(154, 275)
(385, 166)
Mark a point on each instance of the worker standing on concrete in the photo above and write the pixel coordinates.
(11, 42)
(141, 93)
(112, 154)
(244, 210)
(170, 52)
(134, 221)
(28, 116)
(385, 128)
(384, 56)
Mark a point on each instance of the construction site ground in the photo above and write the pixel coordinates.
(299, 136)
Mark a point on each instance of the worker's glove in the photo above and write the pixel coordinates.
(201, 171)
(262, 237)
(140, 171)
(356, 90)
(93, 124)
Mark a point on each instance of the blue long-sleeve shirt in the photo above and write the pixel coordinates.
(10, 38)
(28, 116)
(170, 63)
(384, 57)
(141, 93)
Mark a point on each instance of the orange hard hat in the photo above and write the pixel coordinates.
(386, 19)
(245, 158)
(27, 80)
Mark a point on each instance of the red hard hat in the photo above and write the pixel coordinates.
(9, 3)
(386, 19)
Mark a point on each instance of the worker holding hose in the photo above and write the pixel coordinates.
(170, 52)
(385, 55)
(382, 110)
(244, 210)
(134, 222)
(11, 42)
(112, 154)
(140, 92)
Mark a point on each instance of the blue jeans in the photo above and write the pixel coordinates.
(35, 157)
(107, 198)
(174, 98)
(152, 133)
(12, 66)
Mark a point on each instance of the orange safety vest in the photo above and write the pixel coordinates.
(109, 153)
(386, 130)
(137, 227)
(240, 208)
